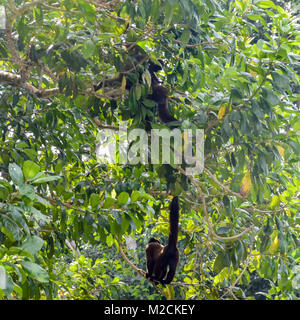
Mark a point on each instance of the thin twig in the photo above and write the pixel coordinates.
(230, 290)
(102, 126)
(200, 44)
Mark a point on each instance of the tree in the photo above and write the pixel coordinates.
(231, 68)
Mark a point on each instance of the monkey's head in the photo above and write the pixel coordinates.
(154, 240)
(154, 67)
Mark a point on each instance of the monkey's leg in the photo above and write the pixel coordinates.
(160, 272)
(171, 273)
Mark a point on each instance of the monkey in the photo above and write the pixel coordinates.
(160, 93)
(133, 57)
(158, 257)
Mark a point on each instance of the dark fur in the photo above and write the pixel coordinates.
(159, 94)
(158, 257)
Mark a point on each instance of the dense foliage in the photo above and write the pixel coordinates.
(71, 228)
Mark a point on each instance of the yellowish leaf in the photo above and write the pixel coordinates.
(147, 78)
(246, 184)
(187, 250)
(123, 85)
(254, 74)
(274, 246)
(275, 202)
(221, 112)
(185, 139)
(280, 151)
(169, 292)
(288, 212)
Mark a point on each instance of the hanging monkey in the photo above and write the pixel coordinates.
(159, 94)
(162, 260)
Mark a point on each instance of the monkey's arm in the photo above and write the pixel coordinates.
(150, 267)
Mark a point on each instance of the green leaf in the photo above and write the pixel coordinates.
(42, 200)
(28, 191)
(21, 145)
(17, 216)
(283, 244)
(258, 111)
(46, 179)
(10, 228)
(115, 280)
(37, 176)
(241, 252)
(270, 96)
(110, 240)
(256, 17)
(296, 281)
(279, 224)
(142, 10)
(125, 223)
(281, 81)
(88, 49)
(4, 192)
(148, 103)
(294, 145)
(236, 94)
(155, 10)
(264, 4)
(123, 198)
(211, 6)
(168, 14)
(264, 242)
(94, 200)
(35, 271)
(235, 115)
(16, 174)
(33, 244)
(37, 214)
(30, 153)
(108, 203)
(219, 263)
(185, 36)
(268, 229)
(30, 169)
(135, 195)
(138, 92)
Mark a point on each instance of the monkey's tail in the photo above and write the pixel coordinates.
(174, 219)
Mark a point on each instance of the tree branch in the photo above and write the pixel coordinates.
(204, 43)
(132, 265)
(15, 80)
(210, 227)
(238, 195)
(230, 290)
